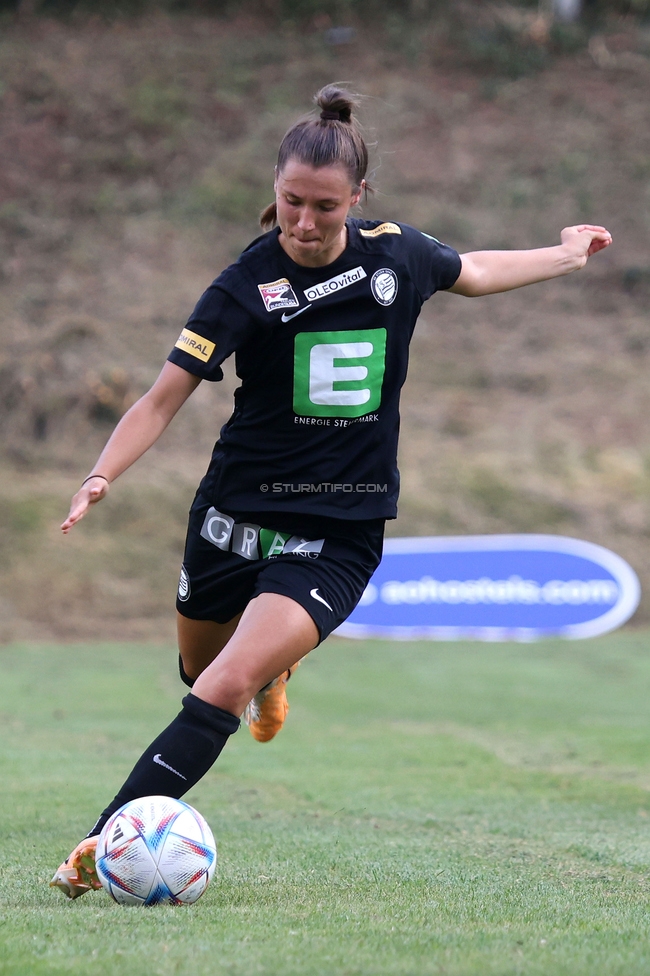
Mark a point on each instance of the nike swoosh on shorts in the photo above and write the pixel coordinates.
(287, 318)
(315, 594)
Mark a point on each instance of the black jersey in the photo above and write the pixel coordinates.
(322, 354)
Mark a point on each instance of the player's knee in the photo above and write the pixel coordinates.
(231, 685)
(238, 687)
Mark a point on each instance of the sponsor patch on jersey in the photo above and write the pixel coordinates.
(278, 294)
(332, 285)
(384, 286)
(247, 539)
(302, 547)
(272, 543)
(195, 345)
(217, 528)
(386, 228)
(338, 374)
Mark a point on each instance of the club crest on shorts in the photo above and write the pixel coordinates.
(384, 286)
(184, 588)
(278, 294)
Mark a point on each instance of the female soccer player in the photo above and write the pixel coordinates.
(286, 527)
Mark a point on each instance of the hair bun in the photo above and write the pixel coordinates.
(336, 103)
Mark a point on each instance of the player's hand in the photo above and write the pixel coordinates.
(583, 240)
(89, 494)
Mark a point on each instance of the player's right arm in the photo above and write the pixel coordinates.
(139, 428)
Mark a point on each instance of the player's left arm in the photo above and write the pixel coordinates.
(490, 272)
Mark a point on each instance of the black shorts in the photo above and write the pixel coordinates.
(324, 564)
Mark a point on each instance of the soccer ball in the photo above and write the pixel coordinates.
(155, 851)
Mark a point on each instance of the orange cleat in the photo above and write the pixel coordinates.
(77, 874)
(266, 712)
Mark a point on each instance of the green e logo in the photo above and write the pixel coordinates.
(338, 374)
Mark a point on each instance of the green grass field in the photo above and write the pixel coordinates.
(429, 808)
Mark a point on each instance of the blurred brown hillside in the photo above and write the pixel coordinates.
(134, 157)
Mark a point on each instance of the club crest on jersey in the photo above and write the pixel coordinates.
(278, 294)
(384, 285)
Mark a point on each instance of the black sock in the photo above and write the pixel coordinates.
(185, 678)
(179, 757)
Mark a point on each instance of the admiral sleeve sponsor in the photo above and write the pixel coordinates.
(195, 345)
(388, 227)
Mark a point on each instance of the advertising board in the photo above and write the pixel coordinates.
(494, 587)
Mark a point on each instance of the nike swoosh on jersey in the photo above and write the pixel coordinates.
(318, 597)
(287, 318)
(159, 761)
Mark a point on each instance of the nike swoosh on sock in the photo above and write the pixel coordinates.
(159, 761)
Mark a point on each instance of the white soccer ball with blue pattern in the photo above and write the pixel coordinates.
(156, 851)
